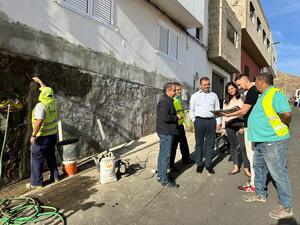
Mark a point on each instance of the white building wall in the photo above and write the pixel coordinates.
(196, 8)
(133, 37)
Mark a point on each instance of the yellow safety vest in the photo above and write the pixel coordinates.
(279, 127)
(178, 108)
(49, 125)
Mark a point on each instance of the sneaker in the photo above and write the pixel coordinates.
(247, 188)
(32, 187)
(170, 184)
(281, 212)
(253, 197)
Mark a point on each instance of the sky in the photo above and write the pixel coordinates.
(284, 19)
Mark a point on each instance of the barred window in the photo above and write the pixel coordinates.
(231, 33)
(168, 41)
(99, 10)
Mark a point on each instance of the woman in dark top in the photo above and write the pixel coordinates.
(234, 128)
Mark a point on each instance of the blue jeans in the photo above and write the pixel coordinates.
(272, 157)
(165, 145)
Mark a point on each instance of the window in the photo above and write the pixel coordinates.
(231, 33)
(268, 44)
(258, 27)
(252, 12)
(264, 36)
(246, 70)
(99, 10)
(199, 33)
(168, 42)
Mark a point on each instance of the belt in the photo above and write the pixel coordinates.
(204, 118)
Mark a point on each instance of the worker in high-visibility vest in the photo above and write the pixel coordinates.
(44, 136)
(268, 130)
(181, 138)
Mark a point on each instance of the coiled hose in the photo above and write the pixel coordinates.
(22, 210)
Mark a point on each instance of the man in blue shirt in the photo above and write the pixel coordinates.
(201, 105)
(268, 130)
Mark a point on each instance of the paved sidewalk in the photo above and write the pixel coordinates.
(139, 199)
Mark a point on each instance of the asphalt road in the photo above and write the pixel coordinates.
(139, 199)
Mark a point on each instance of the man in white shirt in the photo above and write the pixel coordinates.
(201, 105)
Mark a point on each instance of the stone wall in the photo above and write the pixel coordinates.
(126, 108)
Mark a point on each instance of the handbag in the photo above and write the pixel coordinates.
(235, 123)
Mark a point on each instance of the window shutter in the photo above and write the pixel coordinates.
(173, 45)
(102, 10)
(163, 39)
(79, 5)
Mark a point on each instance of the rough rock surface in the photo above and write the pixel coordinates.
(126, 109)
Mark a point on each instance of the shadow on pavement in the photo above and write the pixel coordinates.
(182, 167)
(70, 195)
(287, 221)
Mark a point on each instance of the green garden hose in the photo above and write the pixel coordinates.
(22, 210)
(4, 139)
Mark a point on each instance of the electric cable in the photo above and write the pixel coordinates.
(143, 166)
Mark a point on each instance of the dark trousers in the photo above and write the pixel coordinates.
(236, 141)
(43, 149)
(184, 147)
(205, 133)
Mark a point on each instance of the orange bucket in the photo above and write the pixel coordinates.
(70, 167)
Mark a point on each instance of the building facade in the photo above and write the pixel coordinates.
(258, 50)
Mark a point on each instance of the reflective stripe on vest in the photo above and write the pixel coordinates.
(279, 127)
(49, 125)
(179, 110)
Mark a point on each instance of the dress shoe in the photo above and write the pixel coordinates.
(210, 170)
(199, 169)
(187, 161)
